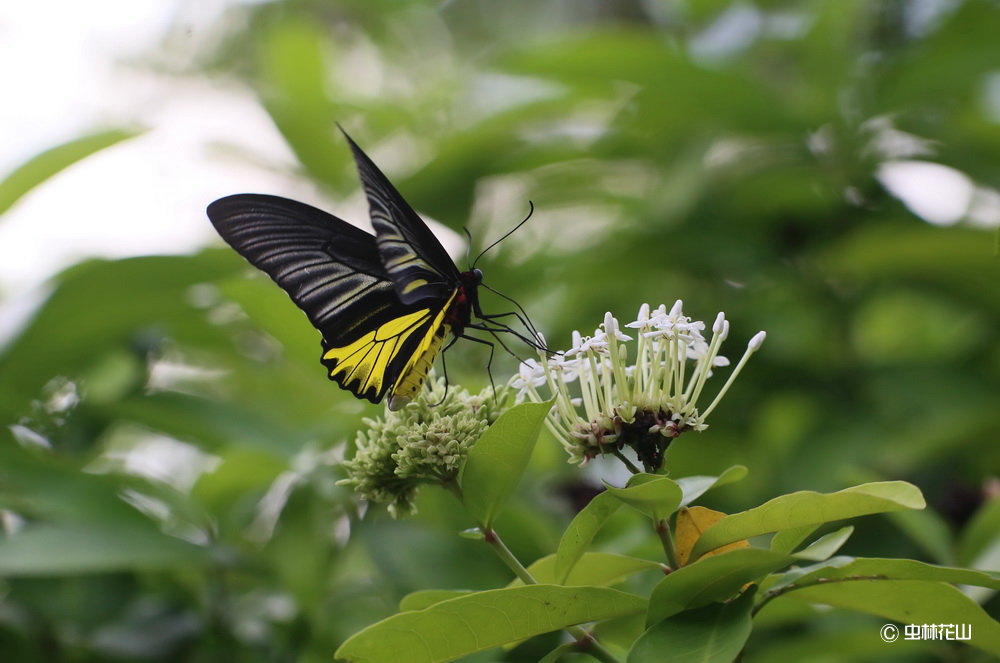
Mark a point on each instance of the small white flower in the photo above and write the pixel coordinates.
(675, 325)
(568, 371)
(530, 374)
(597, 343)
(642, 320)
(610, 326)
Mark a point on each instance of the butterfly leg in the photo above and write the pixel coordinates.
(535, 339)
(498, 327)
(489, 362)
(444, 369)
(525, 320)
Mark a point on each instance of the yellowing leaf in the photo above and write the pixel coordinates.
(691, 522)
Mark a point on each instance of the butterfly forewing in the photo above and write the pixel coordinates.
(372, 341)
(417, 264)
(329, 268)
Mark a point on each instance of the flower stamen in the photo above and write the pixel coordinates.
(644, 404)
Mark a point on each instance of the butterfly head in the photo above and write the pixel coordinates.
(472, 278)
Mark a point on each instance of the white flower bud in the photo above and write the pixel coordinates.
(720, 320)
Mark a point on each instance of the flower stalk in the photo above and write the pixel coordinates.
(667, 541)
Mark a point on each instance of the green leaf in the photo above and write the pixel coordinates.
(50, 162)
(810, 508)
(714, 633)
(908, 602)
(212, 424)
(827, 545)
(846, 641)
(715, 578)
(653, 496)
(594, 568)
(296, 94)
(594, 62)
(425, 598)
(982, 532)
(467, 624)
(70, 549)
(621, 633)
(108, 305)
(873, 568)
(557, 653)
(497, 461)
(42, 487)
(696, 486)
(788, 540)
(581, 531)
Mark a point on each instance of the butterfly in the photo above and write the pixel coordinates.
(385, 304)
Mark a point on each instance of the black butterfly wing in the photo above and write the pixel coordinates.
(418, 266)
(373, 343)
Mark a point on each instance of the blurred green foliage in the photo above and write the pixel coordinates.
(170, 447)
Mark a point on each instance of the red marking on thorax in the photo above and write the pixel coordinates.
(458, 314)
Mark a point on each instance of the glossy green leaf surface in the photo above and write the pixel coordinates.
(909, 602)
(716, 578)
(873, 568)
(714, 633)
(427, 597)
(581, 531)
(653, 496)
(593, 568)
(498, 460)
(696, 486)
(810, 508)
(464, 625)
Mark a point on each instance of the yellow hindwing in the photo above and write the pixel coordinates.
(365, 362)
(420, 362)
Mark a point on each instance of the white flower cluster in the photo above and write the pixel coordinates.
(604, 402)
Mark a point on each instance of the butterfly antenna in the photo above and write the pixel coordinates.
(531, 210)
(468, 247)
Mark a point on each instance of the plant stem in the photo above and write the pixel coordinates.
(587, 644)
(452, 487)
(585, 640)
(507, 557)
(662, 528)
(631, 467)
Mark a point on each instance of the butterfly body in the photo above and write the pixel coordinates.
(385, 304)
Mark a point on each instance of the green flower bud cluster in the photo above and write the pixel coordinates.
(426, 441)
